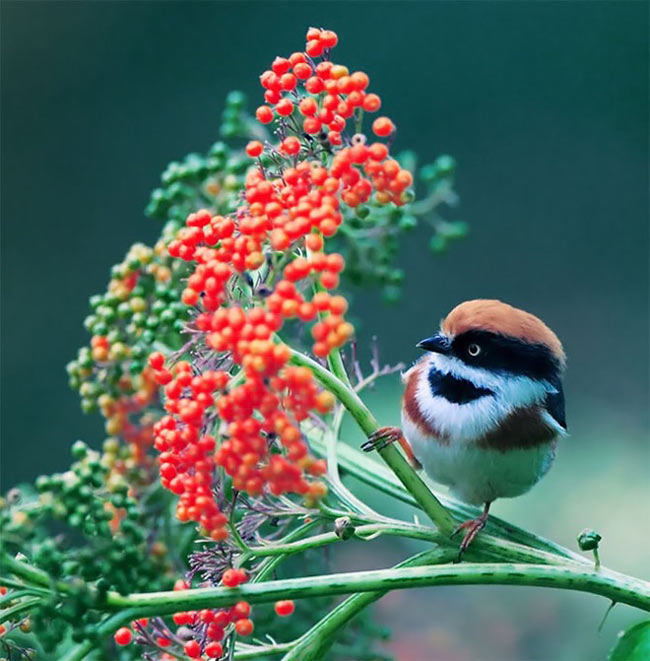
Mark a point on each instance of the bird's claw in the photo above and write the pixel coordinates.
(473, 527)
(381, 438)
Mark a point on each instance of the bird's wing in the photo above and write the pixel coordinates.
(554, 403)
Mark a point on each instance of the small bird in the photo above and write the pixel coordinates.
(483, 409)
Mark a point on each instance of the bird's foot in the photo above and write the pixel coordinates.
(472, 527)
(384, 436)
(381, 438)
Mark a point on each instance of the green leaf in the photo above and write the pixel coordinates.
(633, 644)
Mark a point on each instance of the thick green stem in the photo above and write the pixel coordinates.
(612, 585)
(368, 424)
(30, 574)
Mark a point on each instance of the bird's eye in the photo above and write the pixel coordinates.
(473, 350)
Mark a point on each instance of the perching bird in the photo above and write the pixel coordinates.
(483, 409)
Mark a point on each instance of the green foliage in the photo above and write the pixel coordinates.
(633, 644)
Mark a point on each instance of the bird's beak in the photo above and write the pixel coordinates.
(437, 343)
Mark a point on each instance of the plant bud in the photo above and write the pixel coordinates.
(588, 540)
(343, 527)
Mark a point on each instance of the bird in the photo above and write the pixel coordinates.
(483, 409)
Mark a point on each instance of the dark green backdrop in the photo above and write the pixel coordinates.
(544, 105)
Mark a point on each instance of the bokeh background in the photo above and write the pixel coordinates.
(545, 107)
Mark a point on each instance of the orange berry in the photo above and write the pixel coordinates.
(264, 114)
(383, 127)
(244, 627)
(284, 107)
(254, 148)
(325, 401)
(314, 242)
(308, 106)
(371, 103)
(328, 38)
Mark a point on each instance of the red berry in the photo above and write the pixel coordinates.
(308, 107)
(254, 148)
(314, 48)
(328, 38)
(192, 649)
(284, 107)
(311, 125)
(287, 82)
(272, 96)
(264, 114)
(123, 636)
(157, 360)
(244, 627)
(371, 102)
(313, 33)
(233, 577)
(377, 151)
(280, 65)
(302, 70)
(383, 127)
(214, 650)
(290, 145)
(240, 610)
(314, 85)
(285, 607)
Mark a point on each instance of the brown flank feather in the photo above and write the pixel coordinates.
(501, 318)
(410, 405)
(523, 429)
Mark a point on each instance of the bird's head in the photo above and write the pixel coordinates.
(498, 338)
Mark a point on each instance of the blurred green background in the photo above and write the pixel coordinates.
(545, 107)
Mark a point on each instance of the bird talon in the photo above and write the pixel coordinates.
(473, 527)
(381, 438)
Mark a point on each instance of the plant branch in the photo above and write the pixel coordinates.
(379, 477)
(612, 585)
(368, 424)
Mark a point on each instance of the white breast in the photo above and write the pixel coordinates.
(476, 475)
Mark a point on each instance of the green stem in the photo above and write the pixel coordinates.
(18, 608)
(104, 630)
(495, 547)
(29, 573)
(324, 539)
(391, 455)
(261, 651)
(15, 594)
(268, 566)
(315, 642)
(379, 477)
(609, 584)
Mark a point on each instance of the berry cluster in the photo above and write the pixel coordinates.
(201, 633)
(140, 307)
(108, 545)
(273, 248)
